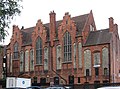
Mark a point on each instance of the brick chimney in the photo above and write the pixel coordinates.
(52, 25)
(115, 27)
(111, 24)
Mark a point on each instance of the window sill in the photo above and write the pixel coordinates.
(67, 62)
(38, 64)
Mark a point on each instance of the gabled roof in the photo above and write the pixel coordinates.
(79, 21)
(27, 33)
(98, 37)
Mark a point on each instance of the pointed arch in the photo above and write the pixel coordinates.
(16, 52)
(39, 51)
(67, 47)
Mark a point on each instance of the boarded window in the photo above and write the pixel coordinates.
(87, 61)
(96, 58)
(80, 54)
(26, 61)
(58, 57)
(105, 60)
(21, 61)
(46, 51)
(31, 60)
(75, 47)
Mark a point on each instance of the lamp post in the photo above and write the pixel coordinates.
(4, 67)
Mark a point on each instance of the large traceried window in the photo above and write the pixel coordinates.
(31, 60)
(67, 47)
(16, 50)
(39, 51)
(105, 61)
(26, 60)
(87, 63)
(21, 61)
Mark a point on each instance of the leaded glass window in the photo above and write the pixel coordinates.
(87, 62)
(39, 51)
(46, 58)
(105, 60)
(31, 60)
(21, 61)
(26, 60)
(67, 47)
(16, 50)
(96, 58)
(58, 59)
(80, 54)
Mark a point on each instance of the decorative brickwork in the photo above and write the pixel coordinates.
(68, 47)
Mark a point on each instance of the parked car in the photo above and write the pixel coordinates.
(15, 88)
(34, 87)
(55, 87)
(110, 87)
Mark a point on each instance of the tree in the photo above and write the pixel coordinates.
(8, 9)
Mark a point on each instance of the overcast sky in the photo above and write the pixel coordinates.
(40, 9)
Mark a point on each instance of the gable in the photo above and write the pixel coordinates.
(98, 37)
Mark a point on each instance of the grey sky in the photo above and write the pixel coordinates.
(40, 9)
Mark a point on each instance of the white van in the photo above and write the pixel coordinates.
(110, 87)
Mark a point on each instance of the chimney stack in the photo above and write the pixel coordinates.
(111, 24)
(52, 25)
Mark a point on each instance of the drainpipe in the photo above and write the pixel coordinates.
(109, 63)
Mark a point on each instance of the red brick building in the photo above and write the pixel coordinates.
(71, 49)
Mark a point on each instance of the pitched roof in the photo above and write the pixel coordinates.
(98, 37)
(79, 21)
(27, 33)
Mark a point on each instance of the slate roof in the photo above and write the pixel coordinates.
(79, 21)
(27, 33)
(98, 37)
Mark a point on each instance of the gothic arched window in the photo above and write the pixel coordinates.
(67, 47)
(39, 51)
(16, 50)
